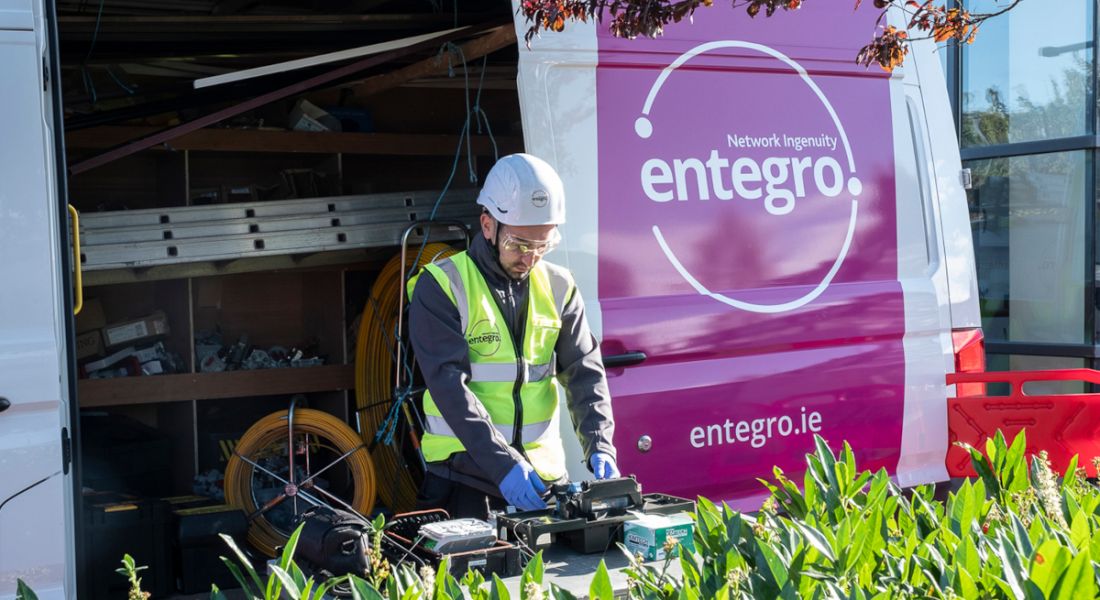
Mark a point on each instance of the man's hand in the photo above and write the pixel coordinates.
(603, 466)
(522, 488)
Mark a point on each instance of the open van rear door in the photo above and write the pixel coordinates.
(36, 521)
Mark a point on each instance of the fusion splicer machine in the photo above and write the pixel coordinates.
(587, 516)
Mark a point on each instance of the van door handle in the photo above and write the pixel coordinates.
(627, 359)
(5, 404)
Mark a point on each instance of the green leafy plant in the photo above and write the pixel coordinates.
(1018, 530)
(285, 577)
(23, 591)
(130, 571)
(1014, 532)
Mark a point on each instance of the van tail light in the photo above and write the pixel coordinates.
(969, 347)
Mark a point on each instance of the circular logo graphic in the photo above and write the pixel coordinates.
(539, 198)
(484, 338)
(825, 173)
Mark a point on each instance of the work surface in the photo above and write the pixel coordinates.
(573, 571)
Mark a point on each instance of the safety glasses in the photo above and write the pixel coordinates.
(512, 243)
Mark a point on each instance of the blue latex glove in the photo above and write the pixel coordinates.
(603, 466)
(522, 487)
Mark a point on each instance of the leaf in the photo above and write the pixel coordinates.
(24, 591)
(441, 574)
(361, 589)
(558, 593)
(600, 588)
(1079, 532)
(982, 467)
(1094, 548)
(1015, 464)
(307, 588)
(1047, 565)
(453, 589)
(289, 586)
(1011, 566)
(215, 593)
(815, 539)
(967, 556)
(964, 584)
(688, 593)
(1022, 537)
(1077, 581)
(498, 591)
(245, 562)
(534, 571)
(775, 565)
(1070, 476)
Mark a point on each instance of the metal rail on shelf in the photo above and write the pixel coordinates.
(225, 232)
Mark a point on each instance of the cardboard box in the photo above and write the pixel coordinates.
(137, 330)
(91, 316)
(647, 535)
(89, 344)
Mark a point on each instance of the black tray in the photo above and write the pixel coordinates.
(401, 534)
(540, 528)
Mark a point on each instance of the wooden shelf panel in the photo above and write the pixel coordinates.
(255, 140)
(203, 386)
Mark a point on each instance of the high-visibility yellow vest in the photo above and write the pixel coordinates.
(497, 371)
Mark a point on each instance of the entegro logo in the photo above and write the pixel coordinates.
(484, 338)
(778, 180)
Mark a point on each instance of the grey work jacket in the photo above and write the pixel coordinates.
(441, 351)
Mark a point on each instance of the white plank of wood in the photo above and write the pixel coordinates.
(320, 59)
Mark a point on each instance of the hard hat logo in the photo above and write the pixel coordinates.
(524, 190)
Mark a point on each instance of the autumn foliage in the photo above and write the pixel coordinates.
(934, 19)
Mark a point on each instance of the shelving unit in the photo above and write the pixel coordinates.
(184, 387)
(298, 297)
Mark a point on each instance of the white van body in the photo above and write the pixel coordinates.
(36, 526)
(746, 354)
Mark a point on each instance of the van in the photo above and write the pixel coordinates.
(773, 243)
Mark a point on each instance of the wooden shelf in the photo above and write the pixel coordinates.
(203, 386)
(259, 140)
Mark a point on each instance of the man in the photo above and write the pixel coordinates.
(489, 327)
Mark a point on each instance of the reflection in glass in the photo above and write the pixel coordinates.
(1028, 76)
(1028, 218)
(1022, 362)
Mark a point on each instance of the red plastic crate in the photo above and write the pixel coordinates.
(1061, 424)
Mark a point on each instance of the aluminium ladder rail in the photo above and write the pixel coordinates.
(225, 232)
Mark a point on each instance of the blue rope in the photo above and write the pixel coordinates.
(89, 83)
(388, 428)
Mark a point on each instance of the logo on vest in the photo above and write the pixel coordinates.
(483, 339)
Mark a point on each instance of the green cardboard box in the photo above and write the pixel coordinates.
(647, 535)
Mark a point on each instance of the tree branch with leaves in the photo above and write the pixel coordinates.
(943, 22)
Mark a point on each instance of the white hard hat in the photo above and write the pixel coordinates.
(523, 190)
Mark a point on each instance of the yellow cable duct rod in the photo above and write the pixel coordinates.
(270, 441)
(374, 371)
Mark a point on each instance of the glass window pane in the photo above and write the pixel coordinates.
(1028, 218)
(1027, 75)
(1021, 362)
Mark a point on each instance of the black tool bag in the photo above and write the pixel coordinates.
(334, 541)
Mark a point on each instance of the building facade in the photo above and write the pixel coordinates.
(1024, 99)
